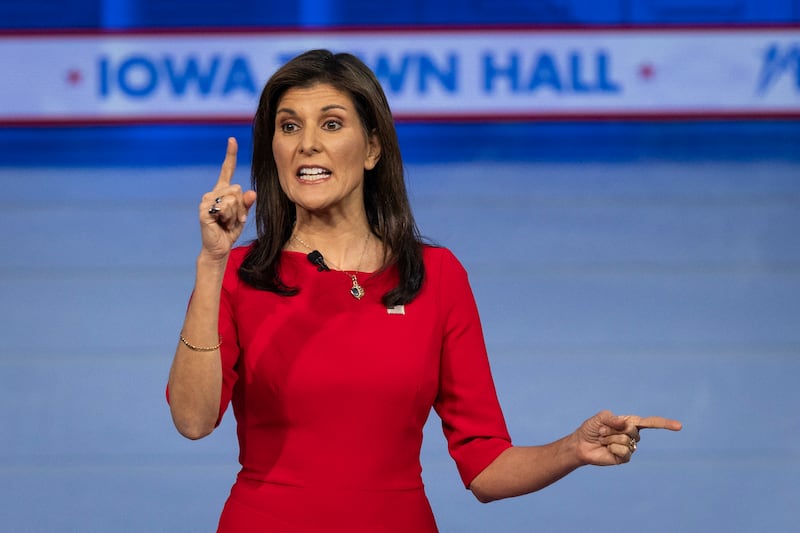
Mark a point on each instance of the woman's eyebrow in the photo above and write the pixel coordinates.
(334, 106)
(325, 109)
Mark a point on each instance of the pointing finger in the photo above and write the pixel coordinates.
(229, 165)
(658, 422)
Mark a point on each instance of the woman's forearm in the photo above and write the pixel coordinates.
(524, 469)
(195, 379)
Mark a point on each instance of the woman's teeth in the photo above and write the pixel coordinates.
(313, 174)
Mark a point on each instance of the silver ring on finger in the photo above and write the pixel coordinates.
(218, 199)
(213, 210)
(632, 445)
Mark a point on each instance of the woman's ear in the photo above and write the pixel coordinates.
(373, 151)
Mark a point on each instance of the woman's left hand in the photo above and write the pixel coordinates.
(607, 439)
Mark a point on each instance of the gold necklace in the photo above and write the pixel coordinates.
(356, 290)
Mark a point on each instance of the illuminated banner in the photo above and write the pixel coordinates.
(437, 75)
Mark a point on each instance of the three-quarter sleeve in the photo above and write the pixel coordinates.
(467, 403)
(228, 331)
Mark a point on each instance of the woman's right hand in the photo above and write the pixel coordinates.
(223, 210)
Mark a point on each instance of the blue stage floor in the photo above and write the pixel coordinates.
(650, 287)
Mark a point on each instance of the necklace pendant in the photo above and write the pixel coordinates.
(356, 290)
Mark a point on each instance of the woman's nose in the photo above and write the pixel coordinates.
(309, 142)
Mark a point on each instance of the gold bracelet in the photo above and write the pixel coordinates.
(200, 348)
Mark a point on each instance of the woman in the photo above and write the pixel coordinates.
(336, 331)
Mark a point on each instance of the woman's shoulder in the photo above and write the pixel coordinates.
(440, 259)
(238, 254)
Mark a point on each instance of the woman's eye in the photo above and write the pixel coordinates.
(288, 127)
(332, 125)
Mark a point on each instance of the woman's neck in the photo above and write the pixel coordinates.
(346, 244)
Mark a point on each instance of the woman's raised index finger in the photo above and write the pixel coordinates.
(229, 165)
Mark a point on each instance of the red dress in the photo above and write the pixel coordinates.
(331, 394)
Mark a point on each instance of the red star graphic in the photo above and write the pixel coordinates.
(74, 76)
(647, 71)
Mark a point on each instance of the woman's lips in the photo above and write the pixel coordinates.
(313, 174)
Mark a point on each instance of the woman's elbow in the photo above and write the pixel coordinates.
(192, 428)
(484, 498)
(193, 432)
(481, 493)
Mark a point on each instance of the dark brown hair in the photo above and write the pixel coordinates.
(385, 198)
